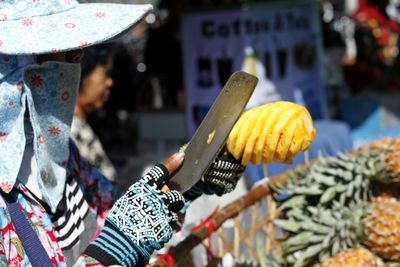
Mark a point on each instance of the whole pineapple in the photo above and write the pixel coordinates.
(357, 257)
(326, 206)
(382, 227)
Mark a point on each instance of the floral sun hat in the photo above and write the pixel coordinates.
(50, 26)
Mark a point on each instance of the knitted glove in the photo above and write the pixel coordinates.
(139, 222)
(220, 178)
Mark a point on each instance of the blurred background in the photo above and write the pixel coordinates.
(338, 58)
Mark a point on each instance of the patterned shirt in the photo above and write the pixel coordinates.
(65, 234)
(91, 148)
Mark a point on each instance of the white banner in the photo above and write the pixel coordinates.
(279, 43)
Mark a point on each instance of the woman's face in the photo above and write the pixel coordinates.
(95, 88)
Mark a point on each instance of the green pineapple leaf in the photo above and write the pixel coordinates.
(328, 195)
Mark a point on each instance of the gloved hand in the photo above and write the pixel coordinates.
(220, 178)
(139, 222)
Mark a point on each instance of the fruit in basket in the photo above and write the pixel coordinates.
(326, 205)
(352, 257)
(272, 132)
(382, 227)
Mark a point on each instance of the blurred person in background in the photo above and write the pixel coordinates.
(375, 65)
(94, 91)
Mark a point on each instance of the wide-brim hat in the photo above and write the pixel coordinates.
(51, 26)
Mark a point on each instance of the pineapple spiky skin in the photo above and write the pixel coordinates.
(271, 132)
(382, 227)
(355, 257)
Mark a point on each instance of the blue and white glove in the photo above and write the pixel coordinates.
(220, 178)
(139, 222)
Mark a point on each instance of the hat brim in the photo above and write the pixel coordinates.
(81, 26)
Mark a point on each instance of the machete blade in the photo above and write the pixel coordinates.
(211, 135)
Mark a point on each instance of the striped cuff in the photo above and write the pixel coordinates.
(111, 247)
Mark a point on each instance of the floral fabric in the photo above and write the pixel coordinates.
(48, 92)
(24, 10)
(61, 25)
(98, 193)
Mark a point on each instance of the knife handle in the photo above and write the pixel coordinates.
(172, 164)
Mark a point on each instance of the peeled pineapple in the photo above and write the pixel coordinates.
(352, 257)
(272, 132)
(382, 227)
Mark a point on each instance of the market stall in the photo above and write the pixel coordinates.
(336, 211)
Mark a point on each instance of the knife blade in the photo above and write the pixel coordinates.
(212, 133)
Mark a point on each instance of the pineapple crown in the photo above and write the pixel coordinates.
(327, 204)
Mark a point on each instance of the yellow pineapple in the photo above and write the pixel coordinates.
(382, 227)
(355, 257)
(272, 132)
